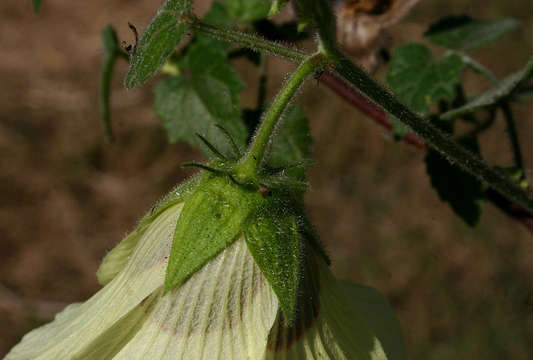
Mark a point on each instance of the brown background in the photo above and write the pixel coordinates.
(66, 197)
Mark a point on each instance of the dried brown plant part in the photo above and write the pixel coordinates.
(362, 26)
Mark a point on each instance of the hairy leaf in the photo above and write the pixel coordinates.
(158, 41)
(247, 11)
(496, 94)
(420, 82)
(218, 15)
(464, 193)
(205, 94)
(461, 32)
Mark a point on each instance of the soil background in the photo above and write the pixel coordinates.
(67, 196)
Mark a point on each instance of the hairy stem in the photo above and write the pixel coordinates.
(253, 42)
(247, 169)
(435, 138)
(359, 80)
(374, 112)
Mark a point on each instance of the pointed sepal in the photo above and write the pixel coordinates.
(273, 238)
(211, 219)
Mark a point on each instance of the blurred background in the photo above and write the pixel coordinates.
(67, 196)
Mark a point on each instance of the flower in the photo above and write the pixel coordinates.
(236, 305)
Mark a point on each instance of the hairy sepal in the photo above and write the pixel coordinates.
(211, 219)
(273, 237)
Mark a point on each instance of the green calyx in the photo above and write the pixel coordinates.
(238, 196)
(220, 210)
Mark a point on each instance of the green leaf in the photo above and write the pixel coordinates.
(211, 219)
(247, 11)
(274, 240)
(37, 5)
(496, 94)
(205, 94)
(111, 52)
(158, 41)
(277, 6)
(420, 82)
(464, 193)
(461, 32)
(292, 143)
(218, 15)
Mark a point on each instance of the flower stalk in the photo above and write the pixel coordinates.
(246, 171)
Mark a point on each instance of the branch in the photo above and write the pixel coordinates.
(423, 127)
(359, 79)
(370, 109)
(253, 42)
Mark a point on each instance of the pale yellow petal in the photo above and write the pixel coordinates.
(118, 257)
(78, 326)
(224, 311)
(337, 332)
(376, 312)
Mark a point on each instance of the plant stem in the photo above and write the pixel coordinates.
(253, 42)
(352, 96)
(435, 138)
(358, 79)
(513, 136)
(246, 170)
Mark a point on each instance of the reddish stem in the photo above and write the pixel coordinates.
(373, 111)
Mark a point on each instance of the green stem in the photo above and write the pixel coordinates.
(246, 170)
(357, 78)
(455, 153)
(253, 42)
